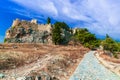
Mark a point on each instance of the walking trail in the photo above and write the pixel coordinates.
(91, 69)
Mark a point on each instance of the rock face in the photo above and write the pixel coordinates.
(28, 32)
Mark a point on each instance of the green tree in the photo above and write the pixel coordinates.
(48, 20)
(107, 36)
(59, 33)
(56, 35)
(84, 37)
(109, 44)
(5, 40)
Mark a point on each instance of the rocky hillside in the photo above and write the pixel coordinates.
(23, 31)
(43, 62)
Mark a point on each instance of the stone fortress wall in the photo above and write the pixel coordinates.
(46, 27)
(16, 22)
(40, 32)
(41, 27)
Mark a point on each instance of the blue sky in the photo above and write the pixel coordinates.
(99, 16)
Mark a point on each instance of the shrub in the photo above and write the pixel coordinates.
(84, 37)
(115, 55)
(110, 44)
(5, 40)
(13, 27)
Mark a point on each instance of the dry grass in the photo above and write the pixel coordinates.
(10, 60)
(16, 55)
(24, 57)
(11, 57)
(111, 59)
(107, 57)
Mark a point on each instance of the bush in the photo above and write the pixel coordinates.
(115, 55)
(110, 44)
(13, 27)
(5, 40)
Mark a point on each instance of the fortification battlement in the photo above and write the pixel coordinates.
(33, 22)
(16, 22)
(45, 27)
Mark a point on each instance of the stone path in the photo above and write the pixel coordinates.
(91, 69)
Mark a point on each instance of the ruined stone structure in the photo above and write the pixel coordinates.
(34, 21)
(75, 29)
(8, 34)
(46, 27)
(16, 22)
(29, 32)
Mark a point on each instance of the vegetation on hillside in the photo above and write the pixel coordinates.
(84, 37)
(60, 33)
(48, 20)
(110, 45)
(5, 40)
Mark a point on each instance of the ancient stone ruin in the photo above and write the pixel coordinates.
(23, 31)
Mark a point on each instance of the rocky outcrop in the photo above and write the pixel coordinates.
(23, 31)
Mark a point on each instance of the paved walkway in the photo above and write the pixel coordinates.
(91, 69)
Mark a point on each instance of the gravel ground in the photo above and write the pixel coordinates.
(91, 69)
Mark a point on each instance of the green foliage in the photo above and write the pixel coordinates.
(5, 40)
(48, 20)
(107, 36)
(56, 35)
(13, 27)
(86, 38)
(118, 43)
(115, 55)
(89, 40)
(93, 44)
(59, 32)
(109, 44)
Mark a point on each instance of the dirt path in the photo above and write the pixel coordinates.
(91, 69)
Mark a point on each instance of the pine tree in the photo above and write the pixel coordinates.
(58, 32)
(48, 20)
(56, 35)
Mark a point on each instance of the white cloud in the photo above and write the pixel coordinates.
(39, 6)
(107, 15)
(101, 16)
